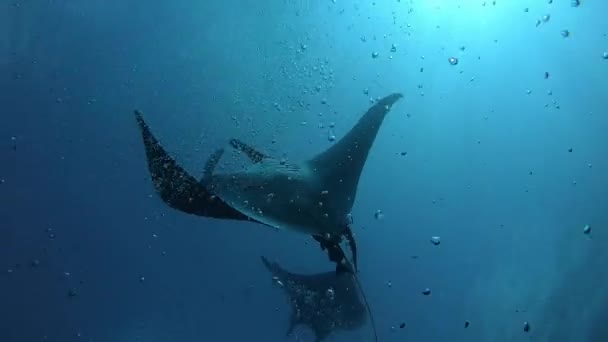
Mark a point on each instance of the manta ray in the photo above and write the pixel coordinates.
(314, 196)
(324, 302)
(183, 192)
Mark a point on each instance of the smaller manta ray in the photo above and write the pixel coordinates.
(324, 302)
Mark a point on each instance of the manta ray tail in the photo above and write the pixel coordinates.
(340, 166)
(369, 310)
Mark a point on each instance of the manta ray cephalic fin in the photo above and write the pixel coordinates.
(210, 165)
(254, 155)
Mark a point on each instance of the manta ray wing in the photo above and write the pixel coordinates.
(176, 187)
(340, 166)
(324, 302)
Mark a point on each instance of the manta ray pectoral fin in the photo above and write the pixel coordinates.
(175, 186)
(254, 155)
(353, 246)
(210, 165)
(340, 166)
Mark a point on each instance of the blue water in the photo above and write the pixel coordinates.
(89, 252)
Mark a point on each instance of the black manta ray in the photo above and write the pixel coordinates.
(313, 197)
(324, 302)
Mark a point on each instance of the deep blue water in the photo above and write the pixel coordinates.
(504, 162)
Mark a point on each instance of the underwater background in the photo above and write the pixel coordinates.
(499, 147)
